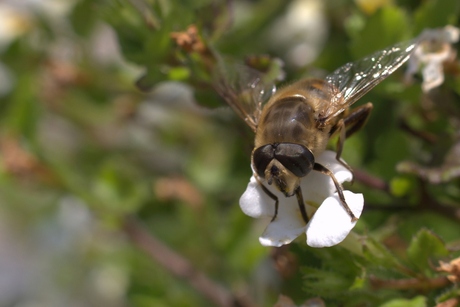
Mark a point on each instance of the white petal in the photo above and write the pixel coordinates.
(316, 187)
(255, 202)
(327, 159)
(280, 233)
(452, 34)
(331, 223)
(287, 226)
(433, 76)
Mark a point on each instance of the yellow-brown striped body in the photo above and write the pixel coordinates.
(292, 116)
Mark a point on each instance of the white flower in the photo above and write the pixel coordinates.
(435, 48)
(13, 23)
(329, 222)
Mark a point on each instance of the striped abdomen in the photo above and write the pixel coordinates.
(290, 120)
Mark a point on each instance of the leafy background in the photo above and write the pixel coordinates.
(120, 169)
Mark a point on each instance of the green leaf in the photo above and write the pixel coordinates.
(83, 17)
(449, 294)
(418, 301)
(359, 283)
(178, 73)
(117, 188)
(390, 147)
(424, 246)
(147, 81)
(23, 111)
(141, 42)
(320, 282)
(386, 27)
(379, 255)
(400, 186)
(436, 13)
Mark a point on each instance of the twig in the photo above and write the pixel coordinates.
(423, 135)
(427, 203)
(181, 267)
(370, 181)
(409, 284)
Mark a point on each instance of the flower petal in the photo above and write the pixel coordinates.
(316, 187)
(433, 76)
(255, 202)
(433, 49)
(287, 225)
(327, 159)
(331, 223)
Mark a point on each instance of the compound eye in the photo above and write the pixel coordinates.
(261, 157)
(298, 159)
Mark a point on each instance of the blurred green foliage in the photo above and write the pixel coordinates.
(106, 116)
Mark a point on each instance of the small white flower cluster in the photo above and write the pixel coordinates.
(329, 222)
(434, 49)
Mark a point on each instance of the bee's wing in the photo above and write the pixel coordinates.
(351, 81)
(243, 88)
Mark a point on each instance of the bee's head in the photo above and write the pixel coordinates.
(283, 164)
(284, 180)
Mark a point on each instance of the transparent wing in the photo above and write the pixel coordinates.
(245, 89)
(351, 81)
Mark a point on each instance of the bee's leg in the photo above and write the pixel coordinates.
(272, 196)
(349, 125)
(322, 169)
(357, 118)
(301, 203)
(340, 127)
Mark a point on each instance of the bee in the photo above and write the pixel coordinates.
(292, 125)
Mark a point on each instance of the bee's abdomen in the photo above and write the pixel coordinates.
(286, 120)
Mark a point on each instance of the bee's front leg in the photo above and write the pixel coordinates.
(347, 126)
(324, 170)
(300, 201)
(271, 195)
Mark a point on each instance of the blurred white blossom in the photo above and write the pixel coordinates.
(301, 31)
(434, 49)
(329, 222)
(13, 23)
